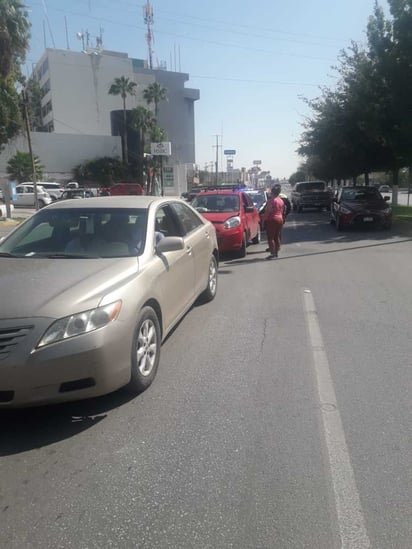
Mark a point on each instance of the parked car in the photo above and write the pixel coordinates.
(360, 206)
(55, 190)
(234, 216)
(76, 193)
(310, 194)
(124, 189)
(88, 296)
(25, 196)
(385, 189)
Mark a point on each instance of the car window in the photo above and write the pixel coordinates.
(165, 224)
(216, 203)
(40, 232)
(310, 186)
(246, 200)
(189, 220)
(360, 194)
(71, 232)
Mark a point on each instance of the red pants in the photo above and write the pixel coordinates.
(273, 229)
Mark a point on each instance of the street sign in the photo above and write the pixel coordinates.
(229, 152)
(161, 149)
(257, 162)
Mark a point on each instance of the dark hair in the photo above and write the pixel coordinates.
(276, 190)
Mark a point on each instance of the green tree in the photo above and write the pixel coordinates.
(14, 35)
(10, 119)
(14, 40)
(103, 171)
(123, 86)
(143, 122)
(20, 168)
(155, 93)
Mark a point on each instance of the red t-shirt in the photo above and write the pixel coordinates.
(274, 209)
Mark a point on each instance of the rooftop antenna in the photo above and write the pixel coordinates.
(67, 33)
(148, 19)
(80, 36)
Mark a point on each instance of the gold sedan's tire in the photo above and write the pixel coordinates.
(145, 351)
(210, 292)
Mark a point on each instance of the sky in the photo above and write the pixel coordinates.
(253, 62)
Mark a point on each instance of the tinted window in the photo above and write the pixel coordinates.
(189, 220)
(165, 223)
(111, 232)
(216, 203)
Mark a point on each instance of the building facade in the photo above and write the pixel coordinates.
(75, 101)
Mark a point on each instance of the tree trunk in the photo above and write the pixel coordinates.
(125, 151)
(366, 175)
(354, 180)
(395, 186)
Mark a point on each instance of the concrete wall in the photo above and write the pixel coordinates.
(60, 153)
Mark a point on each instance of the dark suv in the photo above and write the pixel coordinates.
(310, 194)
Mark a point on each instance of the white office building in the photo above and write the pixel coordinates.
(77, 110)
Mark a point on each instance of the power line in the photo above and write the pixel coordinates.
(197, 39)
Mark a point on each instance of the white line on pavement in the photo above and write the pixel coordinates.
(353, 534)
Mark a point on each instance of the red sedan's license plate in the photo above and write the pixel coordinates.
(368, 218)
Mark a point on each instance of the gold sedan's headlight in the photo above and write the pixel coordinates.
(80, 323)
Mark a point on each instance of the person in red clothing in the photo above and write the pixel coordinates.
(274, 221)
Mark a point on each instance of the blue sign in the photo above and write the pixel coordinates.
(229, 152)
(13, 190)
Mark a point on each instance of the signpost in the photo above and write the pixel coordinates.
(164, 148)
(229, 152)
(257, 162)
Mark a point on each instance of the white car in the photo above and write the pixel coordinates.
(25, 196)
(55, 190)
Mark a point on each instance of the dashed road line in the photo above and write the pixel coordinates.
(352, 529)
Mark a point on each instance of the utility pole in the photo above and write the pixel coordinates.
(33, 165)
(217, 158)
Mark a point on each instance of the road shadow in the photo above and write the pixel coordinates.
(316, 228)
(29, 428)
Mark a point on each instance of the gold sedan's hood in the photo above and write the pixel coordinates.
(59, 287)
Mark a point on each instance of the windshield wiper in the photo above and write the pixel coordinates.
(63, 255)
(7, 254)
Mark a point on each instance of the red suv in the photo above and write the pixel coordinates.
(118, 189)
(234, 216)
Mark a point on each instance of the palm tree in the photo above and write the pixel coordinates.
(20, 167)
(143, 122)
(123, 86)
(155, 93)
(14, 34)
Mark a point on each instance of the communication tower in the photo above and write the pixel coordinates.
(148, 19)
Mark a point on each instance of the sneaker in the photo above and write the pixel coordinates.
(267, 250)
(271, 256)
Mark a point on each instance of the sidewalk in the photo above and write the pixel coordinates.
(18, 215)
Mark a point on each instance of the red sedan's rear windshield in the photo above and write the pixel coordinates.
(216, 203)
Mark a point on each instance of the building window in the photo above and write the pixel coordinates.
(50, 127)
(46, 108)
(45, 88)
(43, 69)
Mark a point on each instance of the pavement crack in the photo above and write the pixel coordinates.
(265, 323)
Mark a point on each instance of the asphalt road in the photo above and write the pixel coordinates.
(280, 417)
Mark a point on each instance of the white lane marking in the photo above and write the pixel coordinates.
(353, 534)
